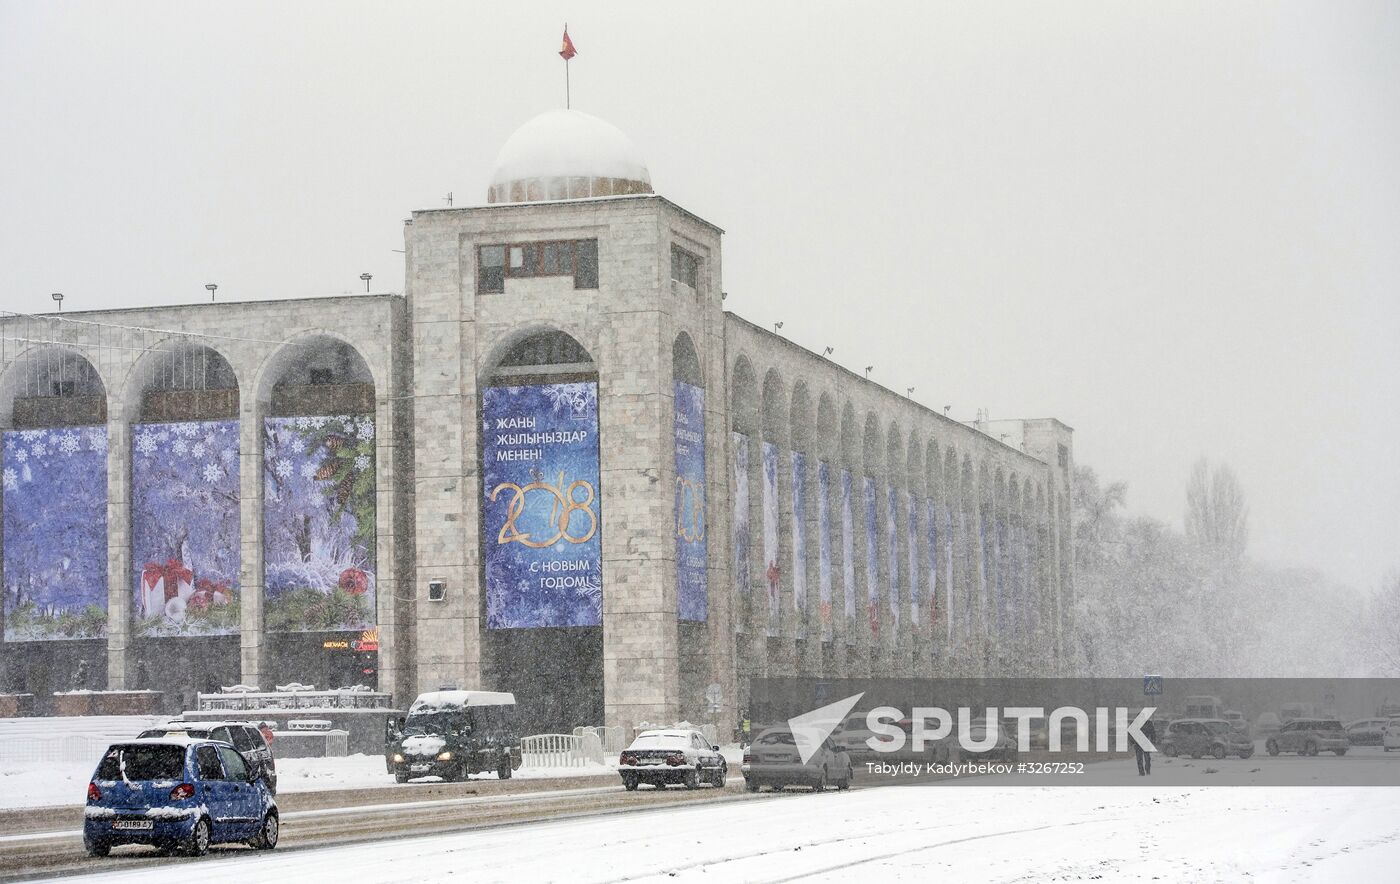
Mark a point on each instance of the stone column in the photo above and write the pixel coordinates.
(119, 580)
(252, 645)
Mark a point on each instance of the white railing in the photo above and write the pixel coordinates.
(76, 748)
(613, 739)
(346, 698)
(560, 750)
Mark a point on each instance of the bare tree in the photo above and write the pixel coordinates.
(1383, 627)
(1217, 519)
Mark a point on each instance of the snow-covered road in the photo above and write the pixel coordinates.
(962, 832)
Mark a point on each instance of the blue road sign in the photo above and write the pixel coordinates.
(1151, 684)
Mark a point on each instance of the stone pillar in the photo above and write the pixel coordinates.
(252, 644)
(119, 579)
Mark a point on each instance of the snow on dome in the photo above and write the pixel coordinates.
(567, 154)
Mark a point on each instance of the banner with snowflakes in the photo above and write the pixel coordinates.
(542, 515)
(824, 548)
(772, 571)
(184, 528)
(692, 547)
(799, 542)
(55, 516)
(743, 588)
(872, 555)
(848, 556)
(319, 523)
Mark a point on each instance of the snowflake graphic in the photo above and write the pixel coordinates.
(366, 430)
(362, 462)
(198, 449)
(308, 471)
(318, 422)
(97, 440)
(21, 455)
(180, 446)
(213, 473)
(145, 443)
(39, 449)
(163, 436)
(283, 467)
(228, 453)
(10, 442)
(68, 443)
(297, 444)
(302, 423)
(11, 479)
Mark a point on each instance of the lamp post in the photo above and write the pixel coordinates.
(58, 298)
(212, 288)
(366, 277)
(868, 370)
(776, 326)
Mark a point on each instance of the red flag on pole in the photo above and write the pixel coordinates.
(567, 50)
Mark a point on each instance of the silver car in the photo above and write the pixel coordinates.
(1205, 736)
(1309, 736)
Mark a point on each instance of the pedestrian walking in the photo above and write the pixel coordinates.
(1144, 757)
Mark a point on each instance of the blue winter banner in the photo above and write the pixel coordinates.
(772, 572)
(848, 556)
(742, 572)
(931, 544)
(892, 543)
(999, 556)
(912, 508)
(542, 512)
(55, 523)
(824, 546)
(872, 556)
(319, 525)
(692, 549)
(950, 606)
(185, 542)
(799, 542)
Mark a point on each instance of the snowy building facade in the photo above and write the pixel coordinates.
(554, 465)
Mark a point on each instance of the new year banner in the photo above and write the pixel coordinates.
(184, 528)
(892, 541)
(872, 557)
(742, 574)
(824, 547)
(799, 541)
(931, 541)
(912, 508)
(542, 512)
(950, 603)
(848, 556)
(692, 550)
(319, 523)
(999, 567)
(55, 516)
(772, 572)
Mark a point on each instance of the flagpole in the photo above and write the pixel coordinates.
(568, 103)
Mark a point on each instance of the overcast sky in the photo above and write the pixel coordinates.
(1175, 226)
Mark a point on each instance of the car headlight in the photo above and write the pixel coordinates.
(444, 756)
(398, 759)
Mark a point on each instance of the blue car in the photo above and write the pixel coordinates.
(177, 794)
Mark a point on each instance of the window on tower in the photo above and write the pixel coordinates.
(685, 267)
(577, 258)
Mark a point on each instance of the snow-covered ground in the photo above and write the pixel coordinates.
(978, 832)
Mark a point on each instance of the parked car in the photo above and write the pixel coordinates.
(1198, 737)
(1003, 747)
(249, 738)
(1204, 707)
(1308, 736)
(662, 757)
(1290, 711)
(1390, 737)
(774, 761)
(453, 734)
(177, 793)
(852, 734)
(1267, 725)
(1366, 731)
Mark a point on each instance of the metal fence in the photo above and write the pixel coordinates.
(612, 739)
(248, 700)
(75, 748)
(560, 750)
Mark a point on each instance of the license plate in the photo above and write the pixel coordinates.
(132, 824)
(418, 768)
(649, 761)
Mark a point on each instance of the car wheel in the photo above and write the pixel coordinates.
(751, 786)
(1195, 755)
(198, 842)
(96, 848)
(266, 839)
(1340, 751)
(629, 782)
(400, 776)
(692, 778)
(1249, 754)
(1169, 750)
(1218, 751)
(1271, 747)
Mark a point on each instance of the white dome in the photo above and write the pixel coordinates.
(564, 154)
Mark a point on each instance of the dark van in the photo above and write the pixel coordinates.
(452, 734)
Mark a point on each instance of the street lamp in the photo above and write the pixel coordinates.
(909, 392)
(366, 277)
(776, 326)
(212, 288)
(58, 297)
(868, 370)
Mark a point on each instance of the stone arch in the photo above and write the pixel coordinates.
(53, 385)
(180, 379)
(744, 399)
(319, 358)
(685, 363)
